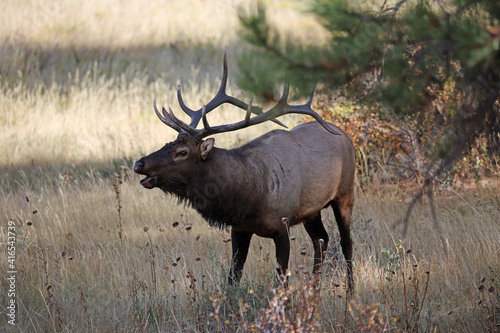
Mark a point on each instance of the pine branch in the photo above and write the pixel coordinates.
(397, 6)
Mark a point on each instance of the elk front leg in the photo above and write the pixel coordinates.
(282, 243)
(319, 236)
(240, 242)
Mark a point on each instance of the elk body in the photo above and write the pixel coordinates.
(264, 187)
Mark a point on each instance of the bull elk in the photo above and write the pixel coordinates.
(264, 187)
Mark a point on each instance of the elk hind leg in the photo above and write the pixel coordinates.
(343, 213)
(240, 242)
(319, 236)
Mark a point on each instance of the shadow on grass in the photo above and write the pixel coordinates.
(36, 176)
(33, 64)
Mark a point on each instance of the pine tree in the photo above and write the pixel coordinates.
(398, 59)
(414, 62)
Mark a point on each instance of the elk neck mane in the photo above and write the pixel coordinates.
(228, 189)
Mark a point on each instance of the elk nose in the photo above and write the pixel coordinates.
(138, 166)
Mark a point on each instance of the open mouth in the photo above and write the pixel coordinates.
(149, 182)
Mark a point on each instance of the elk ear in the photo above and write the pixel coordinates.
(206, 147)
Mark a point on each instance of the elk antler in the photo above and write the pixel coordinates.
(281, 108)
(220, 98)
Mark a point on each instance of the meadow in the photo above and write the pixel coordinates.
(96, 252)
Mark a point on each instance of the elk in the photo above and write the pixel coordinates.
(278, 180)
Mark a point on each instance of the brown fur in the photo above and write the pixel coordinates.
(282, 174)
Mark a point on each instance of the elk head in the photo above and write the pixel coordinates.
(179, 158)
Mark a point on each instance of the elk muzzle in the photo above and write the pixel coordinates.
(148, 182)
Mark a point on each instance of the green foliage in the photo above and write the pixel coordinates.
(391, 259)
(411, 62)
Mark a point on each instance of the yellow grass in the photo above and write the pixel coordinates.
(107, 283)
(76, 90)
(78, 78)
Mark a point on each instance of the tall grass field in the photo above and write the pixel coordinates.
(85, 248)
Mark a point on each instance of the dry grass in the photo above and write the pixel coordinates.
(77, 84)
(78, 78)
(170, 277)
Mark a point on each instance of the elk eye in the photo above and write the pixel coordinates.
(181, 153)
